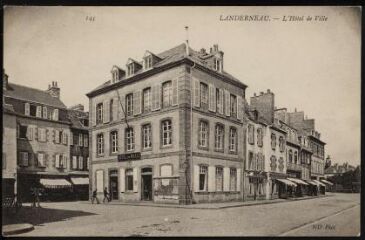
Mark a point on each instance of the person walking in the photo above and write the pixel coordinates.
(36, 200)
(94, 196)
(106, 195)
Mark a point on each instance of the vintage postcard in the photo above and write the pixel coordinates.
(181, 121)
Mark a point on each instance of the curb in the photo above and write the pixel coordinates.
(244, 204)
(12, 229)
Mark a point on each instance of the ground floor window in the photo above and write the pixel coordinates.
(129, 179)
(219, 179)
(274, 189)
(203, 178)
(233, 179)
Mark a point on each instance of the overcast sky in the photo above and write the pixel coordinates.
(310, 65)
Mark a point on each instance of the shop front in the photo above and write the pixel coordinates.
(321, 187)
(257, 186)
(286, 188)
(313, 188)
(302, 187)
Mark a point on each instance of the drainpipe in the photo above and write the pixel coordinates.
(191, 131)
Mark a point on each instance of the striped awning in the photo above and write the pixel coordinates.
(319, 183)
(80, 181)
(287, 182)
(312, 182)
(54, 183)
(299, 181)
(327, 182)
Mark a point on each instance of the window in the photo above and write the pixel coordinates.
(57, 137)
(87, 163)
(129, 139)
(147, 100)
(203, 134)
(232, 140)
(64, 137)
(40, 160)
(55, 116)
(251, 134)
(129, 179)
(203, 176)
(233, 179)
(148, 62)
(281, 144)
(99, 113)
(203, 95)
(61, 161)
(250, 160)
(219, 179)
(219, 137)
(217, 64)
(296, 157)
(166, 94)
(42, 135)
(81, 163)
(86, 140)
(81, 139)
(146, 136)
(129, 104)
(114, 141)
(290, 156)
(75, 139)
(130, 69)
(74, 162)
(22, 131)
(111, 104)
(273, 141)
(166, 133)
(27, 109)
(39, 112)
(33, 110)
(233, 105)
(24, 159)
(100, 144)
(45, 112)
(260, 142)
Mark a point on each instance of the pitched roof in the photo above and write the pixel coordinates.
(75, 116)
(173, 55)
(33, 95)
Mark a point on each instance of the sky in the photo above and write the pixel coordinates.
(313, 66)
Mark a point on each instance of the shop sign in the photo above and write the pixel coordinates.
(129, 156)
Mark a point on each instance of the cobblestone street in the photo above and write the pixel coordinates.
(336, 215)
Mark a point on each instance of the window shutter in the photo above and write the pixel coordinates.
(66, 138)
(137, 102)
(64, 161)
(221, 95)
(226, 176)
(27, 109)
(121, 106)
(44, 112)
(93, 114)
(211, 179)
(212, 99)
(238, 179)
(239, 108)
(35, 129)
(106, 112)
(196, 92)
(122, 179)
(115, 109)
(29, 133)
(196, 178)
(39, 111)
(135, 179)
(57, 160)
(156, 97)
(46, 160)
(71, 138)
(227, 103)
(74, 162)
(175, 92)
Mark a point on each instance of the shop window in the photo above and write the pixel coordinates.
(219, 179)
(129, 179)
(233, 179)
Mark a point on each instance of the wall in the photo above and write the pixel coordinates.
(9, 157)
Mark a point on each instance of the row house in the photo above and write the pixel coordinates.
(265, 150)
(42, 139)
(168, 129)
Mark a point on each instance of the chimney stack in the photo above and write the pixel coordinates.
(295, 109)
(268, 91)
(215, 47)
(54, 90)
(261, 93)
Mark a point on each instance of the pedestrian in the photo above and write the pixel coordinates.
(106, 195)
(94, 196)
(36, 195)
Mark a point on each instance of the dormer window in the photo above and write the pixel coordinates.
(130, 69)
(115, 76)
(217, 65)
(148, 62)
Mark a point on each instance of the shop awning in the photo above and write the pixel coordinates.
(54, 183)
(80, 181)
(287, 182)
(299, 181)
(327, 182)
(319, 183)
(311, 182)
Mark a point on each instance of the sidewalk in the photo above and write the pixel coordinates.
(17, 228)
(215, 205)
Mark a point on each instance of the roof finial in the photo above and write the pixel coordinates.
(187, 40)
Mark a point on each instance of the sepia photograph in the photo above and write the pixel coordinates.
(181, 121)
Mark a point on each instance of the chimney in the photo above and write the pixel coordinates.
(265, 105)
(54, 90)
(295, 109)
(268, 91)
(78, 107)
(203, 51)
(261, 93)
(5, 80)
(215, 48)
(254, 94)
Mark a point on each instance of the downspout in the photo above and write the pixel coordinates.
(191, 131)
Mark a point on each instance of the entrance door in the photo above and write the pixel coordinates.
(146, 184)
(113, 184)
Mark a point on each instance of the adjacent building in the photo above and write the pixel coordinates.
(169, 128)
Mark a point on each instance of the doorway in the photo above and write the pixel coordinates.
(146, 176)
(113, 184)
